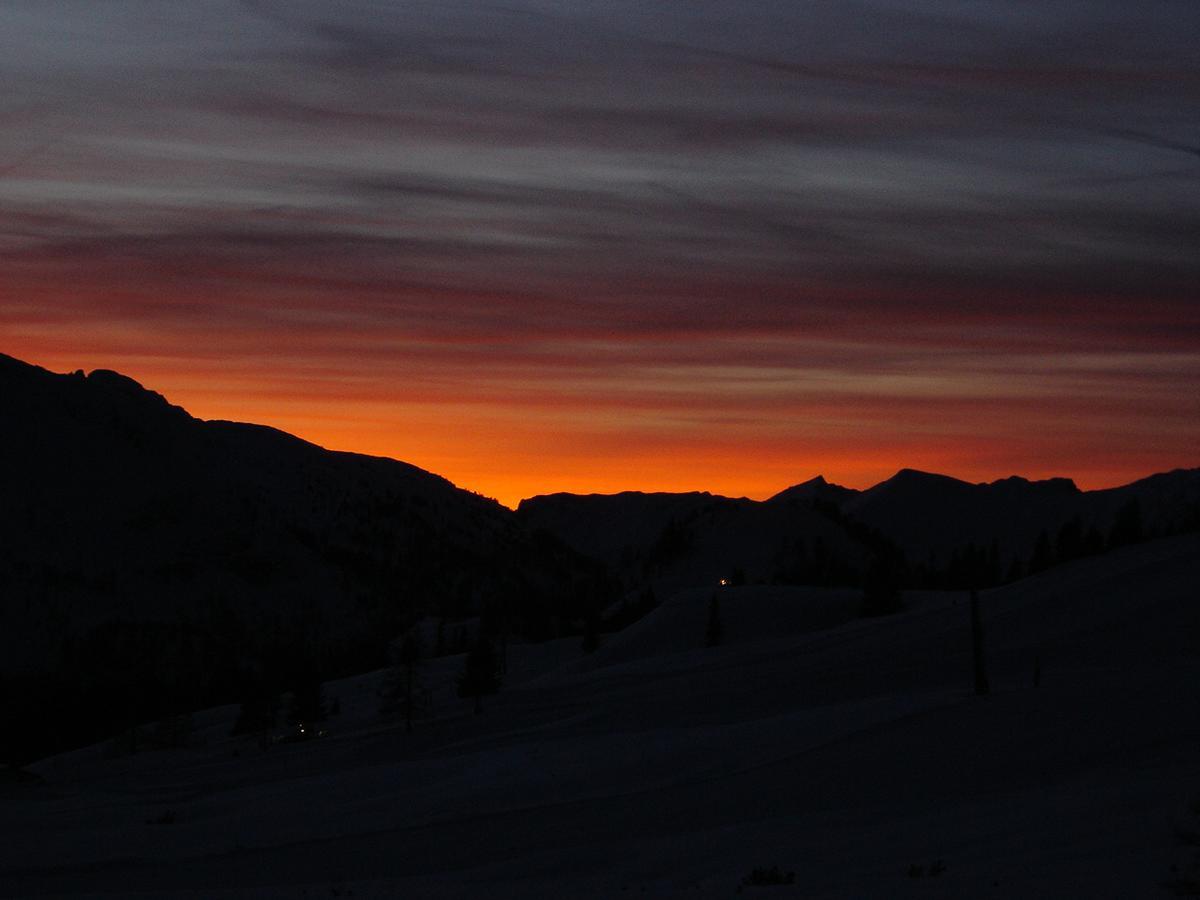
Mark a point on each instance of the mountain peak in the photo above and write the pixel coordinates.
(129, 394)
(116, 381)
(918, 477)
(813, 489)
(1044, 486)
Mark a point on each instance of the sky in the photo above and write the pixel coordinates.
(681, 245)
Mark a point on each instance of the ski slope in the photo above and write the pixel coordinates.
(846, 750)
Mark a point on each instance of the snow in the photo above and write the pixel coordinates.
(846, 750)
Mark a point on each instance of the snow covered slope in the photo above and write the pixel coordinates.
(853, 755)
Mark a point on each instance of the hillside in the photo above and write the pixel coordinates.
(148, 558)
(944, 530)
(933, 515)
(854, 756)
(678, 541)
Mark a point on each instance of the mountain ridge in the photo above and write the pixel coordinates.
(175, 554)
(935, 523)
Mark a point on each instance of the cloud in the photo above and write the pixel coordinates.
(780, 218)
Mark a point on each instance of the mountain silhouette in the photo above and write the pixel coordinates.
(815, 489)
(931, 516)
(678, 541)
(152, 562)
(946, 531)
(131, 530)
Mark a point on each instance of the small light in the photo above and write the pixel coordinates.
(724, 582)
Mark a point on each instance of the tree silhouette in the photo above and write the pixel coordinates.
(402, 680)
(1043, 554)
(256, 715)
(591, 634)
(1069, 544)
(1127, 528)
(172, 731)
(881, 593)
(481, 673)
(1016, 571)
(630, 612)
(715, 631)
(307, 704)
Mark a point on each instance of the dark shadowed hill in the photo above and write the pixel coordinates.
(934, 530)
(676, 541)
(815, 489)
(930, 516)
(934, 517)
(150, 547)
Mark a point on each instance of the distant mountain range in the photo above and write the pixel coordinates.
(149, 559)
(935, 530)
(931, 516)
(677, 541)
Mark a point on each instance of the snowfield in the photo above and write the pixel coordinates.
(848, 751)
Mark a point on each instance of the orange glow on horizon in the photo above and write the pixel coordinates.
(510, 452)
(528, 271)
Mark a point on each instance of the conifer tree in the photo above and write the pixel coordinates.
(881, 595)
(715, 630)
(591, 634)
(1043, 554)
(258, 710)
(1127, 528)
(307, 704)
(403, 679)
(481, 673)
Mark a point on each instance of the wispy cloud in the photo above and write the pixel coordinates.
(822, 227)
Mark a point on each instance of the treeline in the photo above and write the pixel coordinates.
(970, 565)
(975, 566)
(127, 676)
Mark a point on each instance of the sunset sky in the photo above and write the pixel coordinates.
(669, 245)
